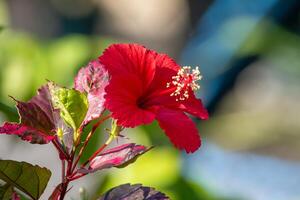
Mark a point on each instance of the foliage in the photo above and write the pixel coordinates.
(61, 116)
(132, 192)
(32, 180)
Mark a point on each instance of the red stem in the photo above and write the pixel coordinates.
(66, 181)
(76, 177)
(88, 139)
(63, 170)
(59, 149)
(68, 174)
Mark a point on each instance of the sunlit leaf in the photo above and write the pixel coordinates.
(133, 192)
(73, 105)
(32, 180)
(120, 156)
(92, 80)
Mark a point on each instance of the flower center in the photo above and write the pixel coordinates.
(185, 80)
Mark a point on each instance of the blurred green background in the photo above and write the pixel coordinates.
(249, 55)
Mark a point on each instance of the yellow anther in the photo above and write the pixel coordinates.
(185, 80)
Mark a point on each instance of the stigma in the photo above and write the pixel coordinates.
(185, 80)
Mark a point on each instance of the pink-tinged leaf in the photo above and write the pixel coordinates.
(43, 99)
(66, 131)
(133, 192)
(26, 133)
(92, 79)
(38, 112)
(37, 123)
(120, 156)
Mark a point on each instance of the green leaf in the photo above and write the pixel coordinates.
(73, 105)
(6, 192)
(30, 179)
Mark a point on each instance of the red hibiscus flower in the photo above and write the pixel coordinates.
(145, 86)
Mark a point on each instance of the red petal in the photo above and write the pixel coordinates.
(158, 93)
(180, 129)
(129, 59)
(194, 106)
(121, 99)
(26, 133)
(164, 61)
(166, 67)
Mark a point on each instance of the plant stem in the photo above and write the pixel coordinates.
(68, 174)
(59, 149)
(91, 133)
(76, 177)
(63, 170)
(109, 140)
(66, 180)
(64, 188)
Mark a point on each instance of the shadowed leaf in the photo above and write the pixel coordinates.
(32, 180)
(133, 192)
(92, 79)
(120, 156)
(6, 192)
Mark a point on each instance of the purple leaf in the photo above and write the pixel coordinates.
(133, 192)
(120, 156)
(38, 112)
(26, 133)
(37, 123)
(43, 100)
(92, 79)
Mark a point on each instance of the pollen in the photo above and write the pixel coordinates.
(185, 80)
